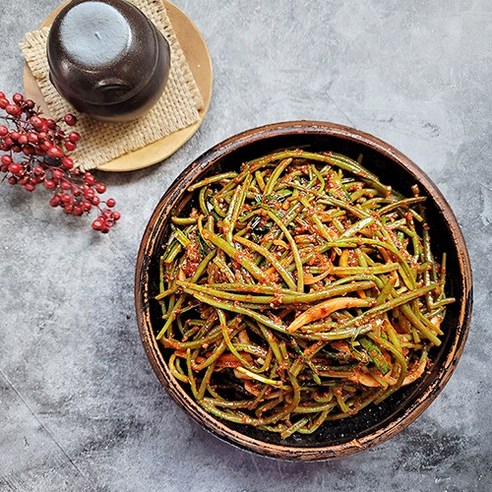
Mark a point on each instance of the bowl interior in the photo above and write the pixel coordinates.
(375, 423)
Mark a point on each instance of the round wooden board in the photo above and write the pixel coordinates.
(198, 58)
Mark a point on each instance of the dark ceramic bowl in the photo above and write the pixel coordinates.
(374, 424)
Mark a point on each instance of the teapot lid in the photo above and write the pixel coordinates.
(101, 51)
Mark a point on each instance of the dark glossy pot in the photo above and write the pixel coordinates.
(107, 59)
(374, 424)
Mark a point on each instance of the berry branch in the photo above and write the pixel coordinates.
(35, 152)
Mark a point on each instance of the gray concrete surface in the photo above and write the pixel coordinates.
(80, 408)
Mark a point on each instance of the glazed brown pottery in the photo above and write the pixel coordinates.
(107, 59)
(374, 424)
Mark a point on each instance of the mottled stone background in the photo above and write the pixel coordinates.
(80, 408)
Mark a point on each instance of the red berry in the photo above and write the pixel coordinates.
(55, 201)
(100, 187)
(28, 150)
(36, 121)
(116, 216)
(57, 174)
(67, 162)
(15, 168)
(66, 199)
(74, 137)
(70, 119)
(33, 137)
(45, 145)
(89, 194)
(55, 152)
(12, 109)
(97, 225)
(89, 179)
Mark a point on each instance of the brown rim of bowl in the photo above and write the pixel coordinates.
(150, 242)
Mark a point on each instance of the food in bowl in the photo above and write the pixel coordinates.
(297, 290)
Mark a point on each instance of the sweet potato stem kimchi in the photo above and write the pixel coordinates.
(298, 290)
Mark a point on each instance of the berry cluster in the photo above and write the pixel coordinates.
(36, 153)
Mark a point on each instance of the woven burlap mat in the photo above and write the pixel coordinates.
(103, 141)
